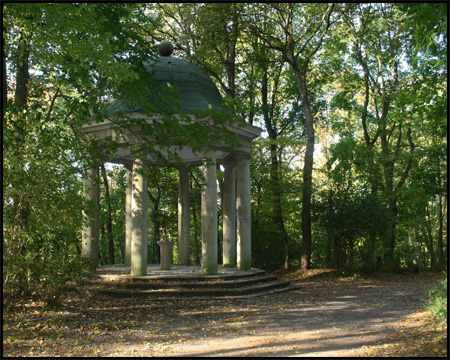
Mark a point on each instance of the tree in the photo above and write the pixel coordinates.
(379, 45)
(302, 29)
(60, 61)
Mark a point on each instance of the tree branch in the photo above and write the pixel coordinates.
(409, 165)
(47, 118)
(328, 24)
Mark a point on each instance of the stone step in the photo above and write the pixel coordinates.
(183, 282)
(151, 277)
(155, 284)
(189, 293)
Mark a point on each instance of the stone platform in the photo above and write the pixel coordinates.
(183, 282)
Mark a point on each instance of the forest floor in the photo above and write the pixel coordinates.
(329, 315)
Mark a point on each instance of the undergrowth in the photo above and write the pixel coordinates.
(437, 304)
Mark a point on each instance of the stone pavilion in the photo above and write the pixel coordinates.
(196, 92)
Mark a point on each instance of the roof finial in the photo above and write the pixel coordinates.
(165, 48)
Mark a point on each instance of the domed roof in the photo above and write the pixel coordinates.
(196, 91)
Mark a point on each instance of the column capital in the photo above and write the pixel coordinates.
(129, 167)
(209, 153)
(229, 160)
(240, 157)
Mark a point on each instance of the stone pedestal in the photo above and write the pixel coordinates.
(165, 248)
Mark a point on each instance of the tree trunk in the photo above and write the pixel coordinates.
(274, 166)
(197, 243)
(22, 203)
(22, 74)
(109, 213)
(441, 261)
(156, 223)
(276, 196)
(305, 263)
(390, 237)
(5, 83)
(429, 236)
(440, 244)
(231, 56)
(102, 234)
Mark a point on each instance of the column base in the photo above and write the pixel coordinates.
(210, 269)
(245, 265)
(229, 265)
(139, 270)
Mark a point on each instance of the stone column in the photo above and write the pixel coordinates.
(90, 248)
(244, 246)
(128, 200)
(184, 252)
(209, 216)
(139, 220)
(229, 215)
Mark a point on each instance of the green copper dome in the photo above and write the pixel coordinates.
(195, 90)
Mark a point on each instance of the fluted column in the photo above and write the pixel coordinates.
(139, 221)
(90, 249)
(209, 216)
(229, 215)
(184, 252)
(128, 200)
(244, 245)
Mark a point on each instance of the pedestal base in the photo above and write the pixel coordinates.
(165, 248)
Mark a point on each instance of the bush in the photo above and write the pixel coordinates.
(39, 268)
(438, 302)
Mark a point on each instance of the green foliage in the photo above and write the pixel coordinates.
(41, 220)
(438, 302)
(267, 245)
(75, 55)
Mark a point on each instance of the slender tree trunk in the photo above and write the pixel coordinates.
(429, 235)
(231, 56)
(251, 114)
(305, 262)
(276, 195)
(5, 83)
(22, 74)
(274, 166)
(197, 244)
(22, 203)
(440, 244)
(156, 222)
(102, 234)
(109, 213)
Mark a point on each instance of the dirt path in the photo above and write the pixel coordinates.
(328, 316)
